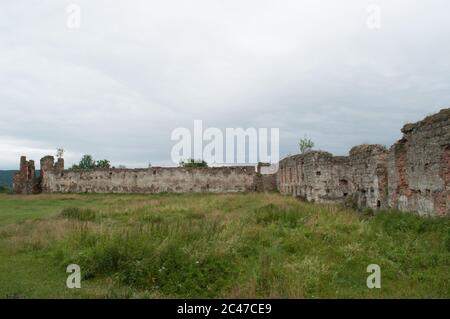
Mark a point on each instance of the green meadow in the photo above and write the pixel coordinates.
(250, 245)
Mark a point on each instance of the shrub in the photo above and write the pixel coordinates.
(103, 164)
(4, 189)
(305, 145)
(193, 163)
(87, 162)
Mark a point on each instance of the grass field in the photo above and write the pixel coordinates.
(225, 245)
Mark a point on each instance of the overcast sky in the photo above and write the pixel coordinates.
(135, 70)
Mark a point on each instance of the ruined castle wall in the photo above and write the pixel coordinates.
(360, 178)
(419, 167)
(414, 175)
(25, 180)
(152, 180)
(316, 176)
(266, 177)
(269, 183)
(266, 182)
(369, 176)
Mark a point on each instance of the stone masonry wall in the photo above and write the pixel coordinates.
(419, 167)
(360, 178)
(316, 176)
(369, 176)
(151, 180)
(414, 175)
(25, 181)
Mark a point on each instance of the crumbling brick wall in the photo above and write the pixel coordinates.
(414, 175)
(25, 180)
(418, 167)
(50, 172)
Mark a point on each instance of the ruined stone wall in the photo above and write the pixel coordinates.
(316, 176)
(151, 180)
(25, 181)
(359, 179)
(54, 178)
(266, 177)
(419, 167)
(266, 182)
(414, 175)
(369, 176)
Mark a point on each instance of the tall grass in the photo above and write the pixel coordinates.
(242, 246)
(85, 214)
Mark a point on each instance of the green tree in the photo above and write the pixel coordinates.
(305, 145)
(103, 164)
(193, 163)
(86, 162)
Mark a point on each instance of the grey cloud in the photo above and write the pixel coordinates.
(133, 72)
